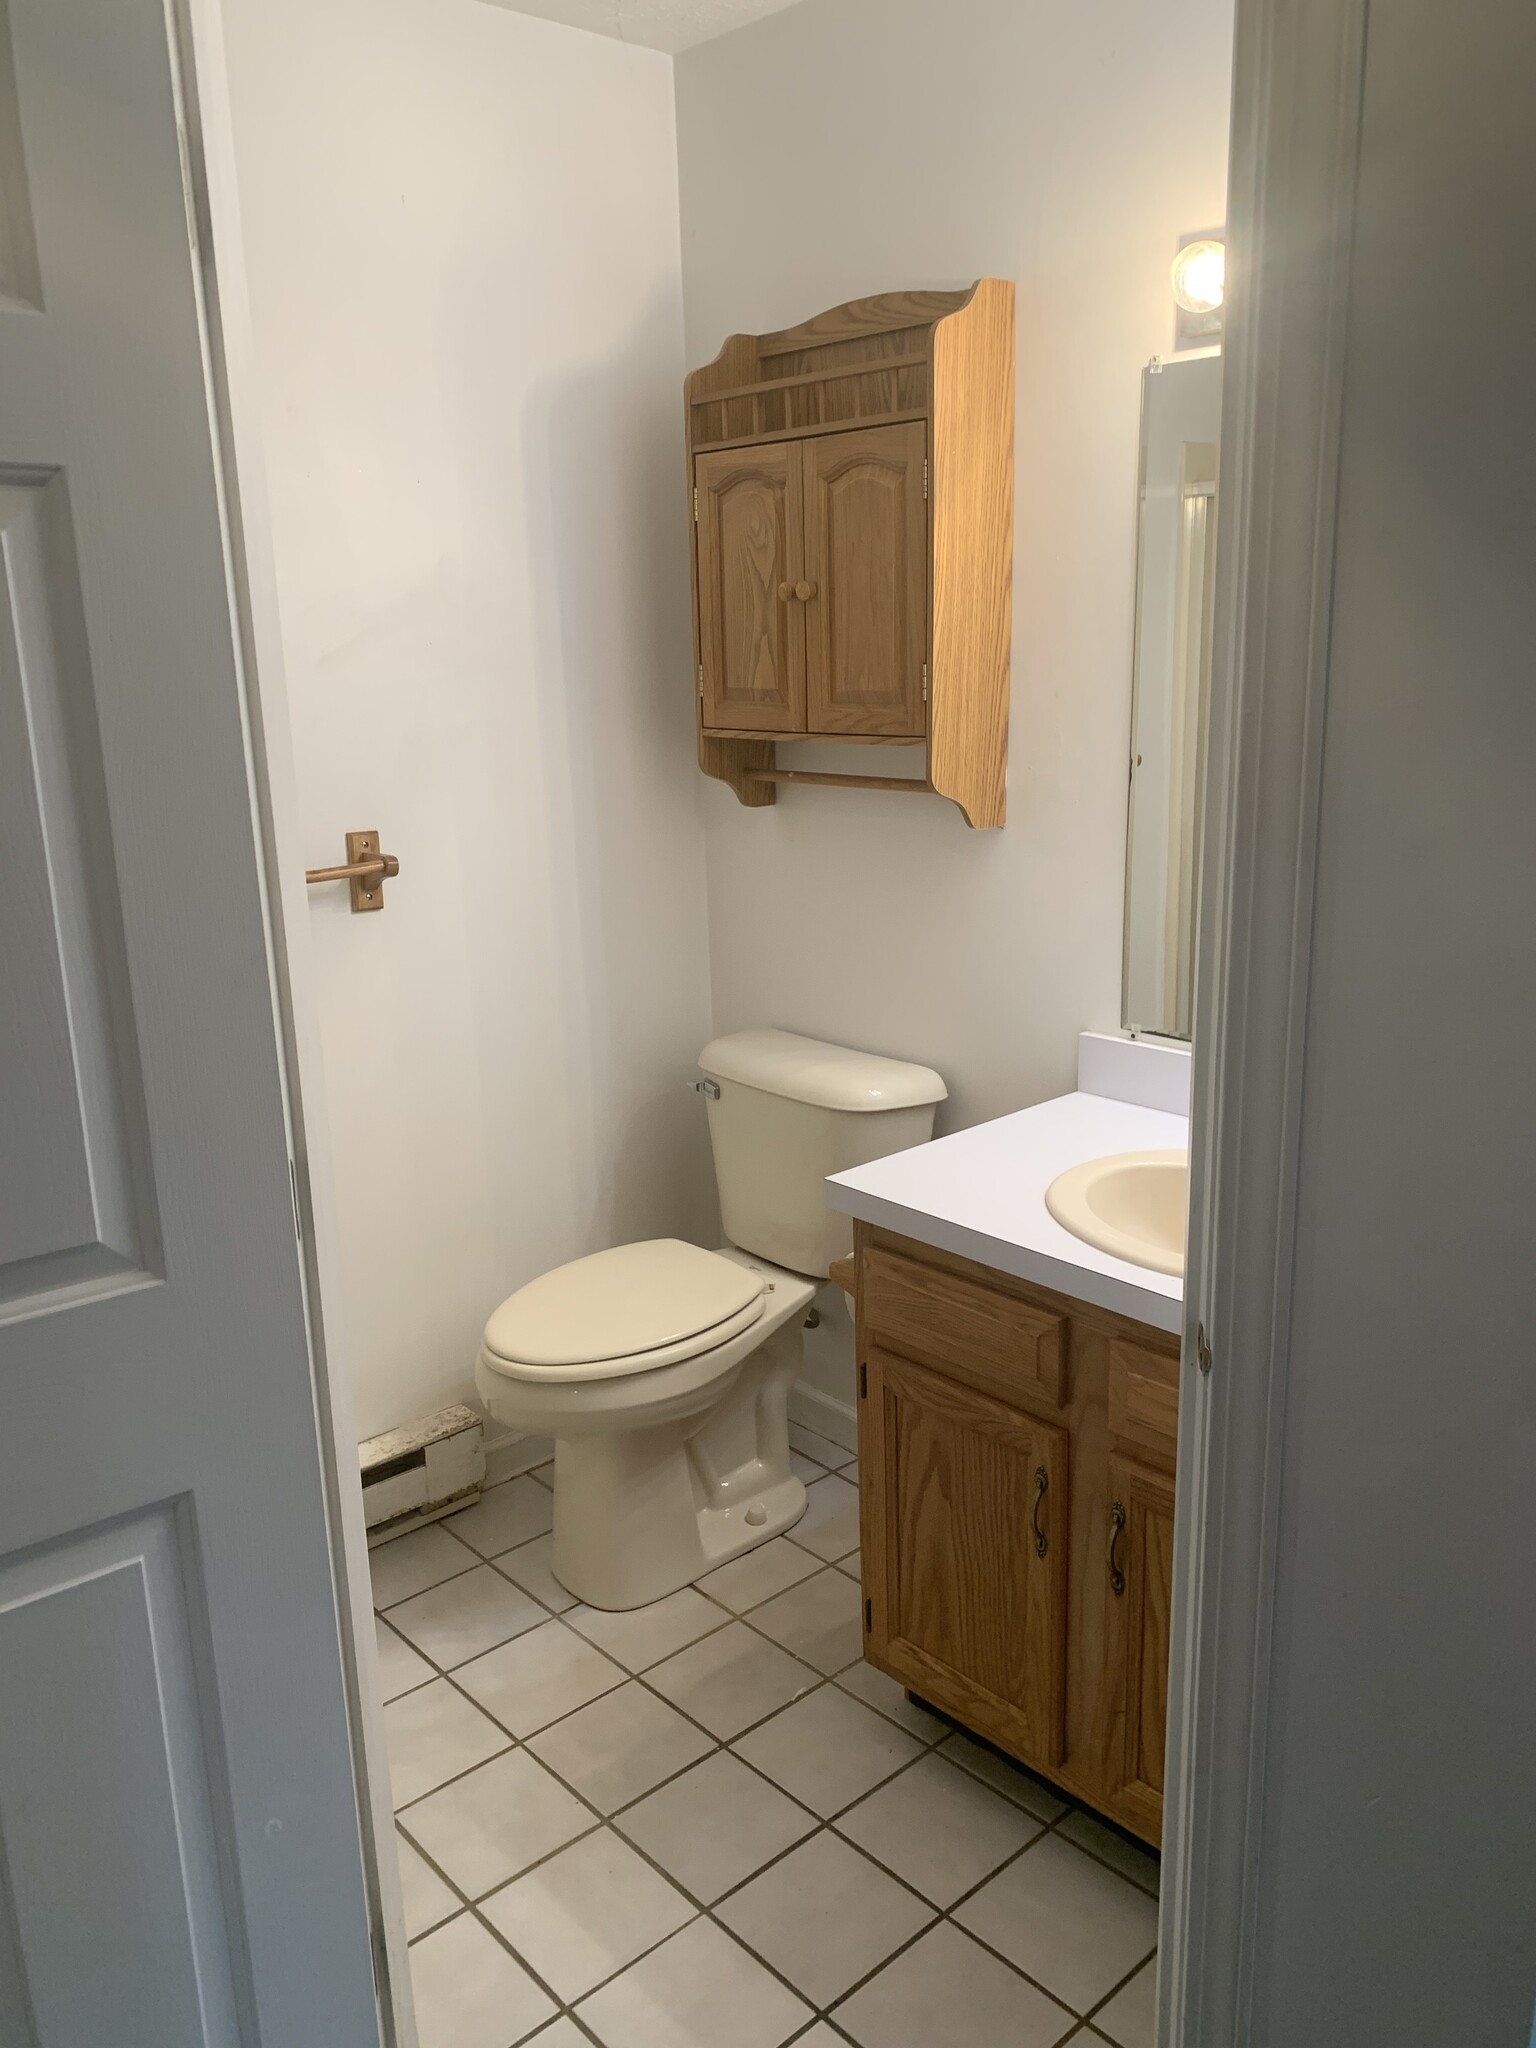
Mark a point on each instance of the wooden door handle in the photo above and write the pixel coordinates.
(805, 591)
(786, 592)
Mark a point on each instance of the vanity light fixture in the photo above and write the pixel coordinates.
(1199, 281)
(1199, 276)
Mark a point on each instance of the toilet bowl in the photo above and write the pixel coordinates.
(662, 1370)
(671, 1457)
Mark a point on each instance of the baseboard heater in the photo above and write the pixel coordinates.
(416, 1473)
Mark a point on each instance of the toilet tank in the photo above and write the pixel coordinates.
(789, 1112)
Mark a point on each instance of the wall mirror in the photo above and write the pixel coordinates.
(1180, 429)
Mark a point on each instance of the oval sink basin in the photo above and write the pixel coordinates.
(1132, 1205)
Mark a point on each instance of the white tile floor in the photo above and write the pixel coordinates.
(709, 1824)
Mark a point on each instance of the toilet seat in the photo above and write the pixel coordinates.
(627, 1310)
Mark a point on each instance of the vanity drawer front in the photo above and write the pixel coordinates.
(945, 1319)
(1144, 1400)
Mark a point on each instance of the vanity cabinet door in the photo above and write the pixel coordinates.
(866, 608)
(751, 625)
(1139, 1563)
(964, 1537)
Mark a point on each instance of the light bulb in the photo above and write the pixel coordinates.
(1200, 276)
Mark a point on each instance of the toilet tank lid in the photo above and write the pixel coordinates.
(825, 1076)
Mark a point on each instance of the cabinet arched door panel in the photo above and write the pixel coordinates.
(751, 626)
(866, 554)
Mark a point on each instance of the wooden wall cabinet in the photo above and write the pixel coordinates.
(1016, 1461)
(851, 485)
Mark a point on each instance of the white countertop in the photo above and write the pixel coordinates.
(981, 1194)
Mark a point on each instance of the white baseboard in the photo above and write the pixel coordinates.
(837, 1420)
(425, 1469)
(509, 1452)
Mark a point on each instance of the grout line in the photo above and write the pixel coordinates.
(446, 1579)
(724, 1745)
(1115, 1989)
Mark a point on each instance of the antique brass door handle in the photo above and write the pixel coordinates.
(366, 869)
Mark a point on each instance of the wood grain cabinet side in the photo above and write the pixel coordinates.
(1017, 1496)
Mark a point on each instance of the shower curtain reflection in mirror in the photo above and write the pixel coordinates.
(1180, 428)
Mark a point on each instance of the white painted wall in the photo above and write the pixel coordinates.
(464, 271)
(463, 236)
(1397, 1901)
(852, 146)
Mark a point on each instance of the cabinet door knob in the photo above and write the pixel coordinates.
(786, 592)
(805, 591)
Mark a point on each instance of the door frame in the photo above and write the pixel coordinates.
(1296, 117)
(234, 395)
(1298, 69)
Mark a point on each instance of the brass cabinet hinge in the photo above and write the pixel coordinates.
(925, 682)
(695, 504)
(701, 682)
(925, 476)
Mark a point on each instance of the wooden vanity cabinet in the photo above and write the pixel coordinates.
(1016, 1460)
(852, 498)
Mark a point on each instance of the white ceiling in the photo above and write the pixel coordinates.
(658, 24)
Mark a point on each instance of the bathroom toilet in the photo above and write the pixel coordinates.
(662, 1370)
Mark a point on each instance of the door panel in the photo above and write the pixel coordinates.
(1141, 1594)
(751, 627)
(965, 1552)
(866, 550)
(180, 1852)
(111, 1845)
(75, 1202)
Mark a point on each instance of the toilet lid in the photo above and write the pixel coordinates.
(662, 1296)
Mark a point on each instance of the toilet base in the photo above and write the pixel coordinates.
(640, 1513)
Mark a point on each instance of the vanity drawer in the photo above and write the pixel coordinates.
(994, 1339)
(1144, 1400)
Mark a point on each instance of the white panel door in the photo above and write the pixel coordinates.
(180, 1861)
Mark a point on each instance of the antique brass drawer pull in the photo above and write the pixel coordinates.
(1116, 1524)
(1042, 1483)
